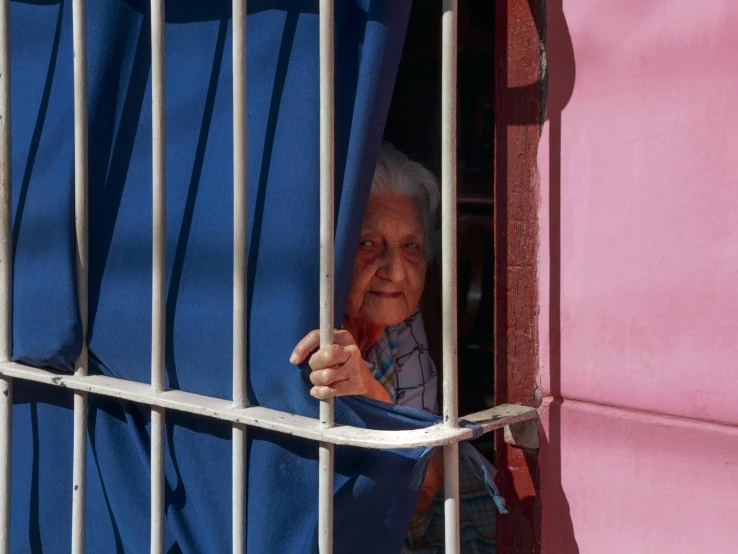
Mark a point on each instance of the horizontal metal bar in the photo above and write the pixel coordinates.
(273, 420)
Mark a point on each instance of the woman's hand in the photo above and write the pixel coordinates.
(337, 370)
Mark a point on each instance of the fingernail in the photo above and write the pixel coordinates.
(293, 358)
(312, 393)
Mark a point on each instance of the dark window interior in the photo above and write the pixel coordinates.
(414, 126)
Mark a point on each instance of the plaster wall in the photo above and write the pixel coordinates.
(638, 277)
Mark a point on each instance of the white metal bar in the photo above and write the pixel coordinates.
(325, 497)
(79, 496)
(159, 268)
(240, 264)
(327, 164)
(6, 191)
(448, 215)
(79, 473)
(451, 497)
(79, 9)
(239, 487)
(449, 269)
(158, 296)
(157, 479)
(272, 420)
(6, 278)
(240, 205)
(6, 426)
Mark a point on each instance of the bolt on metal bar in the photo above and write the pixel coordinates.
(327, 176)
(6, 277)
(449, 269)
(159, 268)
(79, 26)
(240, 264)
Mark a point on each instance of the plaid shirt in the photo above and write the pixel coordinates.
(400, 361)
(477, 519)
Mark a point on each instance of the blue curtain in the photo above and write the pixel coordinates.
(373, 501)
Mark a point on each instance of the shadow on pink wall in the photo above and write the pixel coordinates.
(558, 530)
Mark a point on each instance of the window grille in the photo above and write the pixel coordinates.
(447, 434)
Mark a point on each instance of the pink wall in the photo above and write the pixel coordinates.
(639, 277)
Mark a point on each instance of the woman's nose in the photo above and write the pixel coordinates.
(393, 266)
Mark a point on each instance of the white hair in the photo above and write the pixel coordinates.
(395, 173)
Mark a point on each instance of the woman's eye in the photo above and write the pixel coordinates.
(366, 243)
(412, 245)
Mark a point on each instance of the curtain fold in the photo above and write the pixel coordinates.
(373, 503)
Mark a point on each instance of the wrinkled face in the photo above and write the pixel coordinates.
(389, 269)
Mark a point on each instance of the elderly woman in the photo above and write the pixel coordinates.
(382, 351)
(382, 309)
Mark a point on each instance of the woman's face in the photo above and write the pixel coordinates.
(389, 269)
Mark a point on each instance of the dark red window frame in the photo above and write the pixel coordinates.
(519, 101)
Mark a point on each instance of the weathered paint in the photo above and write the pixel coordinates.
(518, 93)
(637, 278)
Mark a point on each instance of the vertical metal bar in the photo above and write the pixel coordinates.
(239, 488)
(79, 472)
(327, 150)
(448, 209)
(6, 425)
(449, 270)
(79, 25)
(159, 268)
(451, 497)
(157, 480)
(6, 190)
(240, 264)
(6, 277)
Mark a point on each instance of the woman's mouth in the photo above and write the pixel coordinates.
(382, 294)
